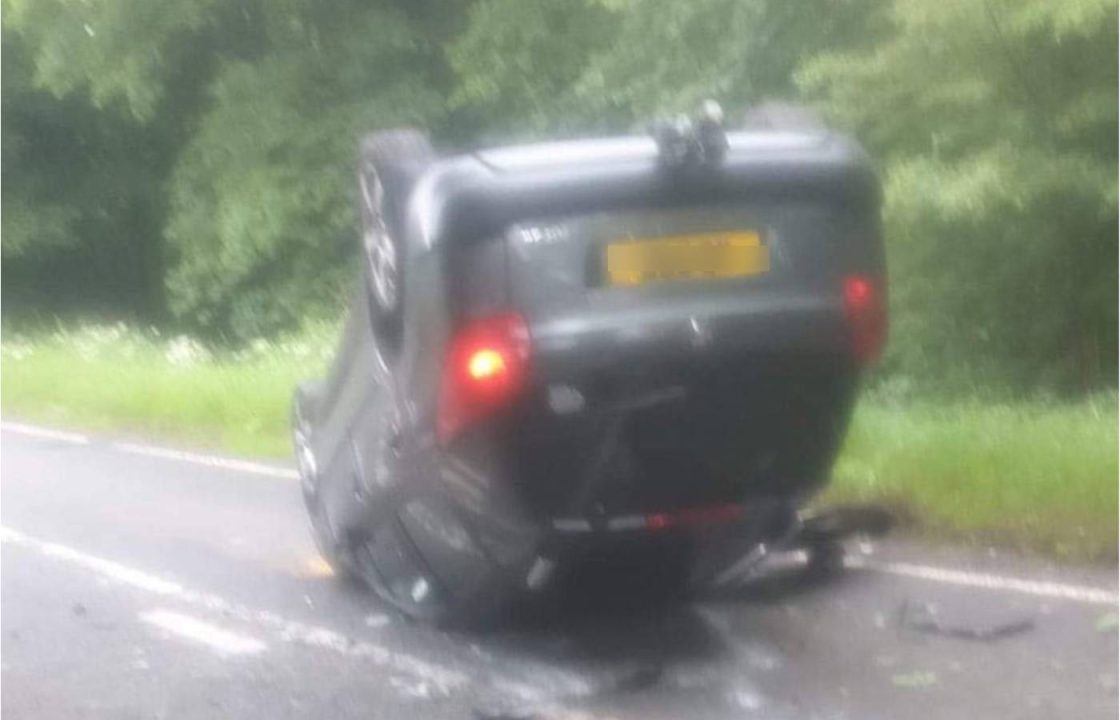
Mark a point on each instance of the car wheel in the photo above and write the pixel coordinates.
(330, 545)
(389, 163)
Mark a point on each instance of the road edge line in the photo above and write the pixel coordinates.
(438, 675)
(45, 433)
(949, 576)
(222, 641)
(964, 578)
(165, 453)
(215, 461)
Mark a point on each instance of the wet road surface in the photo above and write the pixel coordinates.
(139, 582)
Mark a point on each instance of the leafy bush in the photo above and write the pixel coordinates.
(1033, 475)
(197, 155)
(995, 124)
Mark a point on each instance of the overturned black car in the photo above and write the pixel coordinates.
(579, 348)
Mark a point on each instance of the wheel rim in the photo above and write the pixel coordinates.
(380, 250)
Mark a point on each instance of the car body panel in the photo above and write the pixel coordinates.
(651, 399)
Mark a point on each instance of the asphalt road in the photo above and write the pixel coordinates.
(140, 583)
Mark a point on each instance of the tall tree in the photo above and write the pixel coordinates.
(254, 108)
(995, 122)
(81, 195)
(592, 65)
(199, 154)
(518, 65)
(262, 224)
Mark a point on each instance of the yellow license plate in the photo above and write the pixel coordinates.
(705, 256)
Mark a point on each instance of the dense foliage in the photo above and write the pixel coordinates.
(997, 127)
(190, 161)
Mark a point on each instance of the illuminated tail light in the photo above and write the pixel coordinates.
(486, 368)
(865, 310)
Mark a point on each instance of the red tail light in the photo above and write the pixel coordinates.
(865, 309)
(487, 366)
(693, 517)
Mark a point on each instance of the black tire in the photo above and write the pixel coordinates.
(777, 115)
(389, 164)
(304, 405)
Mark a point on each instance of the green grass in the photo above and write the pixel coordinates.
(1033, 475)
(114, 378)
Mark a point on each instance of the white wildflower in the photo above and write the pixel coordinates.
(184, 350)
(15, 350)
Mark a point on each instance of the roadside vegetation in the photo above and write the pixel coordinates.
(1038, 475)
(174, 388)
(190, 165)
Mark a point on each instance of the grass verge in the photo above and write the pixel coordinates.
(115, 378)
(1032, 475)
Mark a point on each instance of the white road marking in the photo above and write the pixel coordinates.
(1076, 593)
(46, 433)
(108, 569)
(965, 578)
(443, 680)
(437, 679)
(214, 461)
(195, 630)
(377, 620)
(1038, 588)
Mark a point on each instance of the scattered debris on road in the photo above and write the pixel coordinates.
(914, 680)
(924, 618)
(1108, 622)
(504, 712)
(377, 620)
(636, 678)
